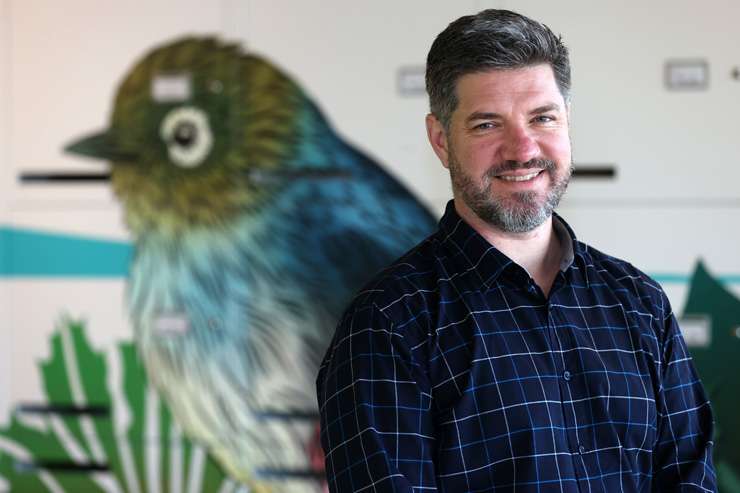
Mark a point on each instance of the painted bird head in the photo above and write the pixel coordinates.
(195, 124)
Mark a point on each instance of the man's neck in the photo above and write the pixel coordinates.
(538, 251)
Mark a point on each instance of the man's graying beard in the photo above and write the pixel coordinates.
(518, 212)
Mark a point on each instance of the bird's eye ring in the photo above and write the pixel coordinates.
(187, 134)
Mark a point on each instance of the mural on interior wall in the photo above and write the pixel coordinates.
(253, 224)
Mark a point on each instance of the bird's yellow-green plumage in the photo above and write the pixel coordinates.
(254, 112)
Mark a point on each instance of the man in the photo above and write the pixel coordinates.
(501, 354)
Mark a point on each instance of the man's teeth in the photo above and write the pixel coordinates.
(519, 177)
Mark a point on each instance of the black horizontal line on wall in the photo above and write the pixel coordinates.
(60, 466)
(601, 171)
(287, 416)
(581, 171)
(57, 177)
(64, 409)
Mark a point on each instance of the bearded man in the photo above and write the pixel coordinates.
(502, 354)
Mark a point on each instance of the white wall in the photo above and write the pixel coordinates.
(6, 341)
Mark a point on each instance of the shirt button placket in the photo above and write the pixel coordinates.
(575, 444)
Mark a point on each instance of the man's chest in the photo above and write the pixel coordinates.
(535, 383)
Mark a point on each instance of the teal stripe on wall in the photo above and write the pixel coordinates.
(666, 278)
(29, 253)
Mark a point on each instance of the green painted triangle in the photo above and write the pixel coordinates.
(718, 365)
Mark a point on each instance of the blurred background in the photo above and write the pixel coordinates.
(655, 130)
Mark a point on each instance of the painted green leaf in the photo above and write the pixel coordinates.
(125, 433)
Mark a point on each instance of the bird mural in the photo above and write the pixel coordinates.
(253, 225)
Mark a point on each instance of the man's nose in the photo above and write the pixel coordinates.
(520, 145)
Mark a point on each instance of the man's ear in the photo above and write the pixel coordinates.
(438, 138)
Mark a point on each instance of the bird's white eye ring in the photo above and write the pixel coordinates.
(187, 134)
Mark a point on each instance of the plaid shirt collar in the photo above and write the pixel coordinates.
(473, 251)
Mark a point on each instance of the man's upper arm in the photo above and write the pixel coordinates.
(375, 406)
(683, 454)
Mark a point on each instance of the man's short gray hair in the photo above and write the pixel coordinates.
(491, 39)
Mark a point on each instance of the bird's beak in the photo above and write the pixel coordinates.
(104, 146)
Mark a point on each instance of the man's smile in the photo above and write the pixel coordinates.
(514, 176)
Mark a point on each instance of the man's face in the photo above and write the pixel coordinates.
(508, 147)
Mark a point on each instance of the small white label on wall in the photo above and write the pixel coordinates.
(687, 74)
(696, 330)
(171, 88)
(411, 81)
(171, 324)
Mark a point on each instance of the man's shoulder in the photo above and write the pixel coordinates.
(405, 289)
(620, 276)
(391, 316)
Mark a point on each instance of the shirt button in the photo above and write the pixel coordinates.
(581, 449)
(566, 375)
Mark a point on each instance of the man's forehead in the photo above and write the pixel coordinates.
(540, 75)
(533, 85)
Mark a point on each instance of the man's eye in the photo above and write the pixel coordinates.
(544, 119)
(484, 126)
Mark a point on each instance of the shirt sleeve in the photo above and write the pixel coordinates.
(375, 405)
(682, 458)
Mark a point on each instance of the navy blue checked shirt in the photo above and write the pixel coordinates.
(453, 372)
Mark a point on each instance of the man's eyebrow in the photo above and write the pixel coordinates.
(481, 115)
(545, 109)
(488, 115)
